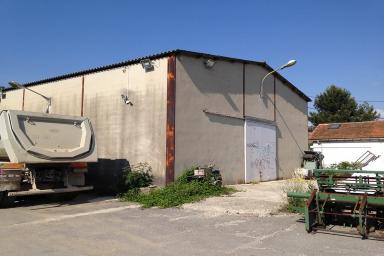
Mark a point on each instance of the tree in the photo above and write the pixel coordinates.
(336, 104)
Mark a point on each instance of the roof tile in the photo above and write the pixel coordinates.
(349, 131)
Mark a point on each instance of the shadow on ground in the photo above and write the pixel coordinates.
(53, 201)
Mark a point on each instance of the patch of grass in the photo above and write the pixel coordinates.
(178, 193)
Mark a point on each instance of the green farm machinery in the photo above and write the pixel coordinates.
(349, 201)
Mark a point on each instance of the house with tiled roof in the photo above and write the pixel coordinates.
(361, 142)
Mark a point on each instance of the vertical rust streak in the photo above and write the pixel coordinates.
(243, 89)
(274, 98)
(82, 97)
(170, 122)
(22, 104)
(277, 127)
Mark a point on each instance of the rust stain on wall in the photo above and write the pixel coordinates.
(22, 104)
(274, 99)
(82, 97)
(170, 126)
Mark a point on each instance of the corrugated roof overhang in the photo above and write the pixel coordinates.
(162, 55)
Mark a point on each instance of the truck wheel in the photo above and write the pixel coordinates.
(5, 200)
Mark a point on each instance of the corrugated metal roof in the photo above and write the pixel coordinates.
(348, 131)
(161, 55)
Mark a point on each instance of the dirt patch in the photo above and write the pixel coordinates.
(260, 200)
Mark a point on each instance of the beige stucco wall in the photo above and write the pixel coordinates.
(203, 138)
(290, 116)
(65, 97)
(292, 132)
(13, 100)
(256, 106)
(137, 132)
(124, 133)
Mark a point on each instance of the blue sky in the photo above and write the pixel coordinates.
(335, 42)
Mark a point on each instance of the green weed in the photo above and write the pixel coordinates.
(178, 193)
(136, 176)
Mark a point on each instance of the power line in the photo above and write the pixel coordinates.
(374, 101)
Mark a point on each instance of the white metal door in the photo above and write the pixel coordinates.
(260, 151)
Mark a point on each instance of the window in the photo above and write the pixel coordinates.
(334, 126)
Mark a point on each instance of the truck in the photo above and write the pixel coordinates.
(43, 154)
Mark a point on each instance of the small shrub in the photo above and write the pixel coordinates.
(188, 172)
(137, 176)
(345, 165)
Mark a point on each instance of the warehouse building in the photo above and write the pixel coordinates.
(181, 108)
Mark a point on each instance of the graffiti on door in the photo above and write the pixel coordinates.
(263, 157)
(260, 148)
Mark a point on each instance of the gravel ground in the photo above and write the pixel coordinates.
(259, 200)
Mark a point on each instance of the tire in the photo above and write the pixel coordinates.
(5, 200)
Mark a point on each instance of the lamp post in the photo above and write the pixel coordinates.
(14, 84)
(286, 65)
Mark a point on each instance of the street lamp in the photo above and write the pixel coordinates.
(286, 65)
(14, 84)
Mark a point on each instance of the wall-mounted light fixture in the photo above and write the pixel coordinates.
(209, 63)
(147, 65)
(126, 99)
(286, 65)
(14, 84)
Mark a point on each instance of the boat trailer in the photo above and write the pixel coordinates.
(346, 201)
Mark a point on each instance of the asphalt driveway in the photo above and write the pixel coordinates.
(103, 226)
